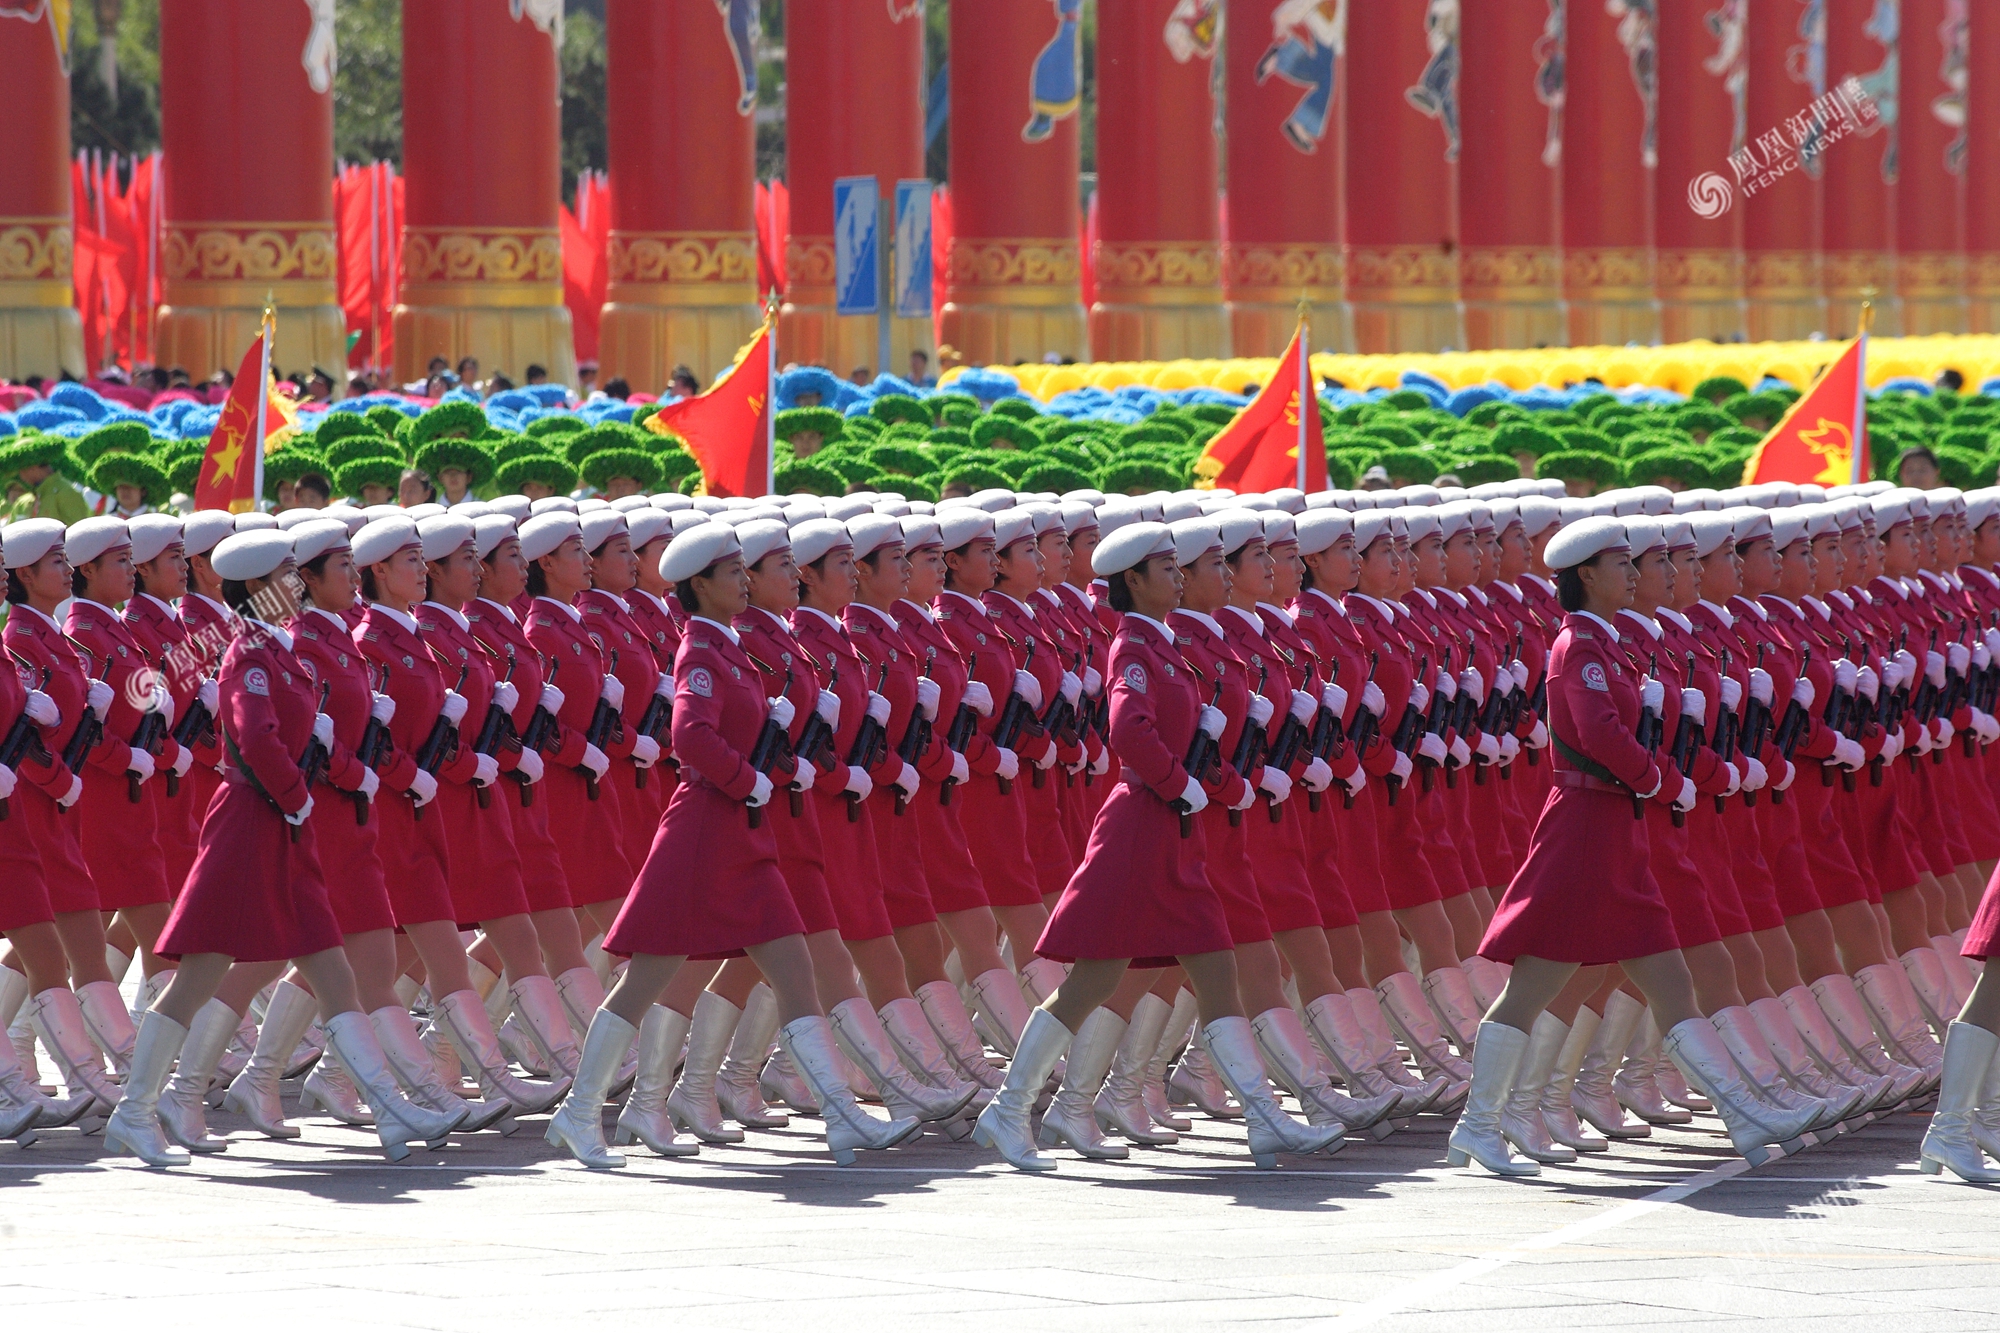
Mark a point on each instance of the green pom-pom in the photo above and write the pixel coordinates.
(1340, 473)
(1491, 413)
(849, 463)
(1963, 468)
(1657, 437)
(599, 468)
(1410, 467)
(1975, 440)
(971, 478)
(1021, 409)
(1393, 435)
(117, 468)
(183, 471)
(368, 471)
(354, 448)
(1015, 466)
(1736, 437)
(1405, 400)
(862, 428)
(339, 425)
(1574, 466)
(1080, 459)
(1138, 476)
(912, 431)
(1484, 468)
(1751, 408)
(388, 421)
(1055, 476)
(516, 446)
(901, 407)
(1148, 433)
(36, 450)
(606, 435)
(289, 464)
(959, 414)
(809, 478)
(1515, 438)
(822, 421)
(675, 464)
(447, 451)
(452, 420)
(551, 471)
(918, 488)
(956, 436)
(543, 427)
(122, 437)
(1701, 420)
(999, 430)
(1671, 467)
(900, 459)
(1716, 388)
(1215, 414)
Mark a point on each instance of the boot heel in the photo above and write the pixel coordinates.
(842, 1156)
(1457, 1157)
(1930, 1166)
(1266, 1161)
(621, 1136)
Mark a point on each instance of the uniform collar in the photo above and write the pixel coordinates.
(734, 639)
(1509, 589)
(399, 617)
(1542, 583)
(1609, 628)
(506, 611)
(220, 610)
(47, 619)
(1647, 623)
(879, 613)
(1387, 609)
(815, 611)
(972, 602)
(1209, 621)
(923, 611)
(332, 617)
(1284, 616)
(280, 637)
(1250, 618)
(166, 607)
(1719, 612)
(458, 617)
(777, 621)
(1825, 611)
(85, 601)
(1166, 635)
(1686, 625)
(656, 600)
(1992, 580)
(1026, 610)
(575, 616)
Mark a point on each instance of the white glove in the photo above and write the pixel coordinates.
(1211, 721)
(1010, 764)
(1432, 747)
(454, 707)
(1652, 694)
(1755, 775)
(1102, 764)
(381, 708)
(1399, 768)
(1304, 706)
(1694, 705)
(485, 770)
(1474, 684)
(1194, 798)
(42, 710)
(1945, 731)
(1845, 677)
(1358, 779)
(552, 699)
(1934, 668)
(75, 790)
(1784, 782)
(1029, 689)
(828, 708)
(529, 766)
(1538, 737)
(302, 814)
(6, 782)
(1318, 775)
(782, 712)
(183, 761)
(960, 771)
(163, 703)
(1982, 657)
(1803, 692)
(1519, 671)
(1958, 657)
(1488, 748)
(371, 782)
(594, 759)
(1420, 697)
(1906, 666)
(1372, 700)
(1760, 686)
(645, 752)
(1461, 753)
(978, 698)
(1992, 641)
(139, 765)
(1093, 681)
(1510, 749)
(1070, 687)
(1848, 754)
(1986, 726)
(1732, 693)
(927, 698)
(1735, 778)
(1048, 755)
(1260, 711)
(1275, 783)
(99, 699)
(1446, 685)
(423, 788)
(878, 709)
(759, 793)
(206, 692)
(858, 782)
(508, 695)
(1244, 801)
(613, 692)
(1685, 801)
(1867, 684)
(1334, 699)
(323, 730)
(1892, 745)
(909, 781)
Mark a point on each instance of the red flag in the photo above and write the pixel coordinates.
(1823, 439)
(577, 263)
(353, 197)
(232, 469)
(1276, 441)
(728, 429)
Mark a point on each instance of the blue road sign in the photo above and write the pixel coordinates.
(857, 246)
(913, 249)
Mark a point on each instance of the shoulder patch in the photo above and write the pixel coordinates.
(255, 681)
(1594, 679)
(701, 683)
(1135, 677)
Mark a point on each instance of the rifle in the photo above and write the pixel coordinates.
(1405, 738)
(917, 736)
(541, 725)
(1461, 710)
(958, 737)
(1057, 720)
(1202, 753)
(770, 747)
(89, 731)
(1439, 720)
(195, 727)
(1249, 744)
(1292, 737)
(1756, 722)
(1650, 728)
(871, 742)
(313, 762)
(657, 718)
(1687, 739)
(374, 739)
(491, 731)
(22, 741)
(1538, 702)
(1792, 724)
(442, 740)
(815, 743)
(1365, 726)
(1014, 715)
(1491, 718)
(601, 722)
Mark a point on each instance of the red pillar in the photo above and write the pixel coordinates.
(1285, 122)
(482, 255)
(854, 106)
(1011, 273)
(682, 258)
(1982, 176)
(1158, 258)
(1930, 184)
(1781, 214)
(1610, 150)
(1510, 90)
(40, 333)
(1402, 176)
(246, 122)
(1858, 210)
(1697, 232)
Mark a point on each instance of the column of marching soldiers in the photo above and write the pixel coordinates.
(1049, 822)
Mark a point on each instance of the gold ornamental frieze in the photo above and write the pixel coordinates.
(33, 249)
(437, 254)
(248, 252)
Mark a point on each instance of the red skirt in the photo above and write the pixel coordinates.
(350, 865)
(120, 842)
(589, 835)
(640, 806)
(1142, 891)
(710, 887)
(1979, 817)
(1278, 863)
(24, 892)
(1465, 838)
(414, 850)
(1709, 848)
(1230, 877)
(1352, 837)
(254, 895)
(1681, 885)
(1928, 808)
(800, 862)
(484, 872)
(899, 846)
(1779, 829)
(1407, 880)
(1586, 892)
(996, 833)
(1753, 874)
(1982, 938)
(1890, 862)
(53, 831)
(1835, 868)
(853, 868)
(543, 880)
(1328, 864)
(954, 881)
(175, 819)
(1047, 848)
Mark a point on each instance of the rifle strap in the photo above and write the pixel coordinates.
(1582, 762)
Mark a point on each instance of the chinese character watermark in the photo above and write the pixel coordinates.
(1843, 111)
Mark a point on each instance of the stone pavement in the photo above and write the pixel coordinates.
(497, 1233)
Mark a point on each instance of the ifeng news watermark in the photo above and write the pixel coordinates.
(1842, 111)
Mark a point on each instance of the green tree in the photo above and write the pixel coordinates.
(585, 146)
(128, 123)
(368, 84)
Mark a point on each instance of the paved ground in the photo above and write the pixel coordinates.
(499, 1233)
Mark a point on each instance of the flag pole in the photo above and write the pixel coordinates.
(268, 334)
(1866, 322)
(771, 392)
(1308, 400)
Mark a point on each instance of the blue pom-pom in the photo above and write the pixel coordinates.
(87, 402)
(48, 415)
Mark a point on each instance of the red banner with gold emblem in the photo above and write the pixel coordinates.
(232, 469)
(1276, 441)
(728, 429)
(1823, 439)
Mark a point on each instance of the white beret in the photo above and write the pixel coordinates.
(1319, 529)
(488, 531)
(255, 522)
(919, 531)
(291, 518)
(1048, 517)
(671, 500)
(1179, 508)
(443, 534)
(93, 537)
(1571, 509)
(1012, 525)
(1290, 499)
(625, 504)
(1820, 520)
(892, 506)
(598, 526)
(386, 511)
(1888, 511)
(1420, 495)
(251, 555)
(310, 541)
(845, 507)
(1712, 531)
(1788, 525)
(1503, 511)
(1279, 527)
(382, 538)
(204, 528)
(347, 514)
(647, 524)
(25, 542)
(817, 536)
(1088, 495)
(1679, 532)
(544, 532)
(154, 533)
(1852, 512)
(803, 507)
(1749, 521)
(683, 519)
(1129, 545)
(591, 504)
(760, 537)
(552, 503)
(472, 509)
(1583, 539)
(1194, 538)
(696, 549)
(924, 507)
(1078, 515)
(1625, 503)
(871, 532)
(1422, 523)
(1453, 518)
(516, 507)
(1371, 525)
(958, 526)
(709, 504)
(1237, 529)
(1539, 514)
(1645, 534)
(428, 509)
(1981, 505)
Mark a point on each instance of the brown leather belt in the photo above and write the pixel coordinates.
(1569, 777)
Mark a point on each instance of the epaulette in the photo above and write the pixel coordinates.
(701, 643)
(544, 622)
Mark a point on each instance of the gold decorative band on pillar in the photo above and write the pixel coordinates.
(1982, 285)
(1013, 300)
(1849, 276)
(1701, 294)
(494, 293)
(810, 333)
(40, 332)
(1787, 300)
(677, 298)
(1610, 296)
(1263, 285)
(217, 277)
(1405, 298)
(1512, 295)
(1158, 302)
(1932, 285)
